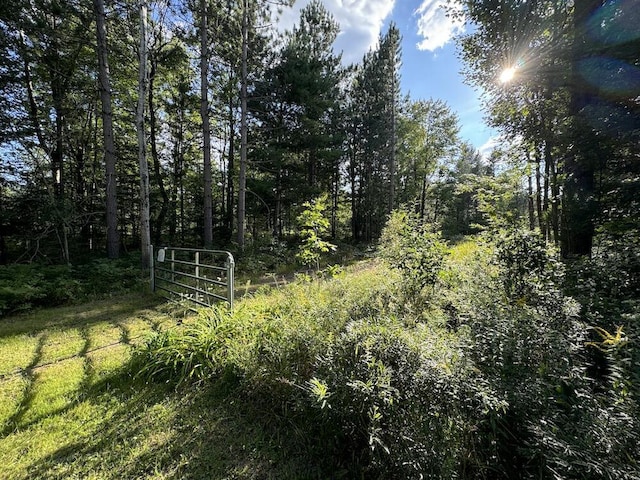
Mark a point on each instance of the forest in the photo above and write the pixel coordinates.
(195, 124)
(454, 314)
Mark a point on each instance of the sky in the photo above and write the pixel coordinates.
(430, 64)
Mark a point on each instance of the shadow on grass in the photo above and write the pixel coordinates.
(72, 316)
(28, 393)
(157, 431)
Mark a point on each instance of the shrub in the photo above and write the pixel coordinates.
(389, 402)
(510, 393)
(409, 246)
(313, 227)
(530, 347)
(24, 287)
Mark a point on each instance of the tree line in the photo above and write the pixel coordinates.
(196, 123)
(572, 100)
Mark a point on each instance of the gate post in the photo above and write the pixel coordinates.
(173, 265)
(152, 269)
(230, 280)
(196, 293)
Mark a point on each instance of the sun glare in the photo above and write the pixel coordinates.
(507, 74)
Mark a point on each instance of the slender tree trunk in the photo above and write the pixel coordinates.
(58, 96)
(33, 106)
(555, 190)
(206, 128)
(392, 163)
(335, 194)
(531, 195)
(159, 224)
(104, 84)
(545, 198)
(423, 196)
(539, 194)
(352, 182)
(57, 164)
(230, 162)
(242, 177)
(177, 167)
(145, 229)
(277, 213)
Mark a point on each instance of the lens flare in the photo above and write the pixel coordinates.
(508, 74)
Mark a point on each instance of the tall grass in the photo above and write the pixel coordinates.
(480, 369)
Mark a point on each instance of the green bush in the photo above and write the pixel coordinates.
(375, 397)
(313, 226)
(391, 401)
(509, 393)
(195, 353)
(530, 347)
(24, 287)
(409, 246)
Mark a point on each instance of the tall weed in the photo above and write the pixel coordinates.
(496, 381)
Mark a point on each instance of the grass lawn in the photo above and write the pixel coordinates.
(70, 406)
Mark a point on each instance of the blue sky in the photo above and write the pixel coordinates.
(431, 68)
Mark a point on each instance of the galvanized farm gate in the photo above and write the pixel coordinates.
(202, 276)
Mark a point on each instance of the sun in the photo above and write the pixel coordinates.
(508, 74)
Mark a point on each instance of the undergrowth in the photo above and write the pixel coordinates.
(24, 287)
(468, 363)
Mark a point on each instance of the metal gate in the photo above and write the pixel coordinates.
(201, 276)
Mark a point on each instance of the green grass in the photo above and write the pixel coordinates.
(55, 364)
(70, 406)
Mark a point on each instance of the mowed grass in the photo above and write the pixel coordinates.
(72, 407)
(54, 364)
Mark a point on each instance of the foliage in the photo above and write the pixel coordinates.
(372, 120)
(531, 350)
(390, 400)
(24, 287)
(608, 283)
(559, 104)
(531, 271)
(313, 226)
(427, 134)
(521, 330)
(410, 246)
(497, 381)
(195, 353)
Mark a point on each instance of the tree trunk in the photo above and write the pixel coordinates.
(178, 161)
(104, 84)
(392, 162)
(352, 182)
(230, 163)
(154, 154)
(531, 208)
(335, 195)
(545, 199)
(555, 191)
(423, 196)
(57, 164)
(145, 230)
(579, 170)
(539, 195)
(242, 177)
(206, 129)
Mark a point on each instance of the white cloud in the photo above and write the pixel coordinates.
(360, 23)
(436, 28)
(490, 145)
